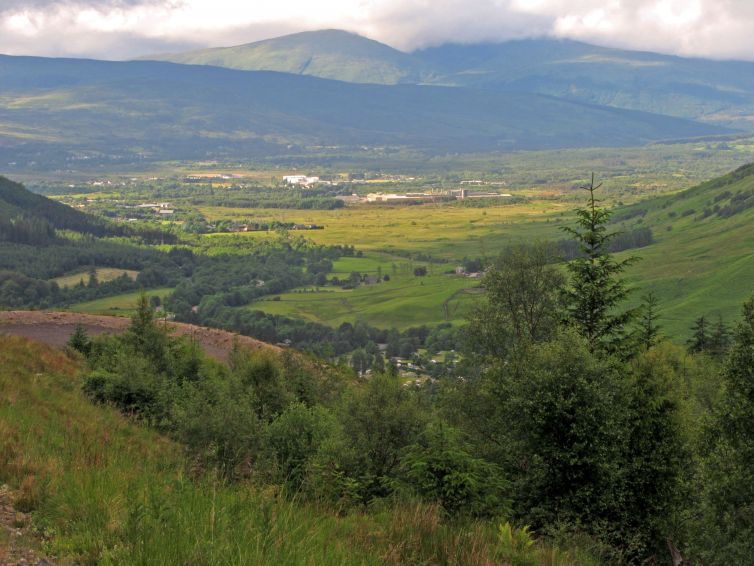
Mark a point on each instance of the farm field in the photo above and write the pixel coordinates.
(104, 274)
(119, 305)
(697, 266)
(404, 301)
(444, 231)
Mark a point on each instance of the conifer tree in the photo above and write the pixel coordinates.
(649, 330)
(719, 340)
(700, 339)
(596, 287)
(80, 340)
(728, 498)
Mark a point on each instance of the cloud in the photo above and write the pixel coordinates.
(131, 28)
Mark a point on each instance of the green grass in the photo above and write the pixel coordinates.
(122, 305)
(403, 301)
(111, 492)
(700, 266)
(107, 491)
(697, 266)
(450, 232)
(104, 274)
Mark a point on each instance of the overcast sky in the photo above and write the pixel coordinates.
(119, 29)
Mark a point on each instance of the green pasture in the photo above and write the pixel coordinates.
(442, 230)
(104, 274)
(697, 266)
(403, 301)
(121, 305)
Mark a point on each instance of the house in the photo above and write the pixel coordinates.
(300, 180)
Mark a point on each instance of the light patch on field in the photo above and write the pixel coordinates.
(104, 274)
(121, 305)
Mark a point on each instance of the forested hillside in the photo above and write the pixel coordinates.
(29, 218)
(41, 239)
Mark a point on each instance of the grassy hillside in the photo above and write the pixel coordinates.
(703, 260)
(109, 491)
(118, 305)
(718, 92)
(330, 54)
(103, 274)
(109, 112)
(104, 490)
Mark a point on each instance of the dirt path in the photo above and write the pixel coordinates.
(55, 328)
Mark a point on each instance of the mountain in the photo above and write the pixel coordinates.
(62, 111)
(720, 92)
(717, 92)
(702, 261)
(329, 54)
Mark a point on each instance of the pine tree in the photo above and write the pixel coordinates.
(700, 339)
(596, 288)
(649, 330)
(727, 521)
(719, 340)
(93, 281)
(146, 338)
(80, 340)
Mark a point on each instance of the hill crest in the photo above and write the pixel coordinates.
(718, 92)
(330, 54)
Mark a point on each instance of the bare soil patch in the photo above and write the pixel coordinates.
(55, 328)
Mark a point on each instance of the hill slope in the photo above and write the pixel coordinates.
(64, 111)
(703, 260)
(329, 54)
(720, 92)
(108, 490)
(16, 201)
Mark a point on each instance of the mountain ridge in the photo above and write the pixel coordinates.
(719, 92)
(330, 54)
(86, 109)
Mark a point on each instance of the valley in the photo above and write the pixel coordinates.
(318, 300)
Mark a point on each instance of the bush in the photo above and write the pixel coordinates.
(294, 437)
(440, 468)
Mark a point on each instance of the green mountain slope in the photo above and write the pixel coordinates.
(63, 111)
(703, 260)
(330, 54)
(719, 92)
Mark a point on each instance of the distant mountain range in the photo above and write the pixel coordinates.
(719, 92)
(514, 96)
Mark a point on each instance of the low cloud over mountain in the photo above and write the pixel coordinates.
(130, 28)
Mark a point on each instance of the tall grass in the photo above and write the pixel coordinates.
(103, 490)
